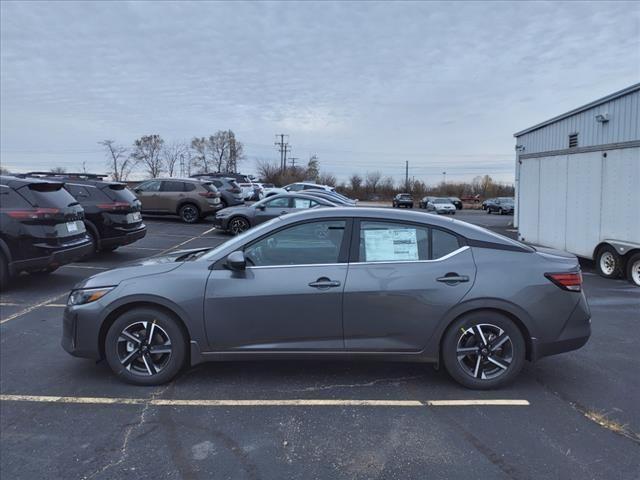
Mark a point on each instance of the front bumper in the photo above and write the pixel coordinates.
(81, 330)
(575, 334)
(125, 239)
(221, 223)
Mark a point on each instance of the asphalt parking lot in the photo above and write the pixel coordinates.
(575, 415)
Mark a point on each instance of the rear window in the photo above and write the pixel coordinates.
(119, 193)
(84, 193)
(47, 195)
(9, 198)
(210, 187)
(234, 184)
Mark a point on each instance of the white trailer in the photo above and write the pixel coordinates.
(578, 184)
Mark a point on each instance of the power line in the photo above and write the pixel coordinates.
(282, 148)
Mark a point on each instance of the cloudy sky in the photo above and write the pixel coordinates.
(365, 86)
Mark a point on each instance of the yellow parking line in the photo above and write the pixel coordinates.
(32, 308)
(262, 403)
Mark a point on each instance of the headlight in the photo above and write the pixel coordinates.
(87, 295)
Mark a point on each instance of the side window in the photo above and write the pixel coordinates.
(303, 203)
(152, 186)
(393, 242)
(302, 244)
(217, 183)
(443, 243)
(9, 198)
(189, 187)
(172, 186)
(295, 187)
(278, 203)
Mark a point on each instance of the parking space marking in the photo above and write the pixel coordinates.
(32, 308)
(264, 403)
(186, 241)
(140, 248)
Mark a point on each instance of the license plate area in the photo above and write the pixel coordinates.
(134, 217)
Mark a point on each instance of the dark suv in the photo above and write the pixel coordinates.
(403, 200)
(41, 227)
(111, 211)
(230, 191)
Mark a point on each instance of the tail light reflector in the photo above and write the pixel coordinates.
(571, 281)
(33, 214)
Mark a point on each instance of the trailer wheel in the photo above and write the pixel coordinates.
(608, 262)
(633, 269)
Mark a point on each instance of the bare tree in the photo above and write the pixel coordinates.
(172, 154)
(147, 150)
(355, 182)
(327, 179)
(236, 153)
(372, 181)
(4, 171)
(199, 156)
(313, 168)
(119, 163)
(218, 144)
(58, 170)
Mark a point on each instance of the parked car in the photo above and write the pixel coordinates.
(189, 198)
(231, 193)
(333, 197)
(402, 200)
(360, 275)
(41, 227)
(267, 188)
(238, 219)
(487, 202)
(112, 215)
(301, 186)
(502, 205)
(440, 206)
(456, 202)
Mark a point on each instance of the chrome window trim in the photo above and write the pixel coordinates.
(298, 265)
(447, 256)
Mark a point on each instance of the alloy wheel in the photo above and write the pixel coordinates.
(238, 225)
(144, 348)
(635, 272)
(484, 351)
(189, 213)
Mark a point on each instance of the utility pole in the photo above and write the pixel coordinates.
(406, 175)
(282, 148)
(287, 149)
(292, 160)
(444, 178)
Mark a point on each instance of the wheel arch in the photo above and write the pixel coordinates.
(4, 249)
(120, 309)
(188, 201)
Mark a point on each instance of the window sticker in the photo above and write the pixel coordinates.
(390, 244)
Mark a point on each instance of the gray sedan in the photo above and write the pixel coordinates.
(238, 219)
(337, 283)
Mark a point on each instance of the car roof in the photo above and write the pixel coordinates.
(17, 182)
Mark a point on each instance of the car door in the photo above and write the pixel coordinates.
(170, 195)
(273, 208)
(148, 194)
(405, 277)
(290, 295)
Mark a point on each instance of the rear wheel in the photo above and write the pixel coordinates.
(633, 269)
(608, 262)
(145, 346)
(500, 211)
(189, 213)
(4, 272)
(237, 225)
(483, 350)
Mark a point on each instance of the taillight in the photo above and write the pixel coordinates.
(114, 206)
(33, 214)
(209, 194)
(571, 281)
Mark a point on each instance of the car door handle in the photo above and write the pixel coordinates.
(452, 278)
(283, 212)
(324, 282)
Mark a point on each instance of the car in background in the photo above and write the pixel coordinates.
(338, 284)
(112, 215)
(41, 227)
(402, 200)
(301, 186)
(333, 197)
(501, 205)
(191, 199)
(236, 220)
(231, 193)
(267, 188)
(456, 202)
(487, 202)
(440, 206)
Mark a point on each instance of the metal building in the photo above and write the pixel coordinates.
(578, 181)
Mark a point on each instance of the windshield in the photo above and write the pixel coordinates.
(441, 200)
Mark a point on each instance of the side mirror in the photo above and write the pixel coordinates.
(236, 261)
(137, 190)
(262, 206)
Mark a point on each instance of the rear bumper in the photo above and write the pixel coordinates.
(55, 258)
(125, 239)
(575, 334)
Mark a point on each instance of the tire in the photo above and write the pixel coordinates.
(500, 211)
(237, 225)
(189, 213)
(488, 211)
(633, 269)
(4, 273)
(224, 203)
(125, 357)
(110, 249)
(608, 262)
(479, 372)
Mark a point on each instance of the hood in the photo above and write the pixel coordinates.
(142, 268)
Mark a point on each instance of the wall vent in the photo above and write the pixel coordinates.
(573, 140)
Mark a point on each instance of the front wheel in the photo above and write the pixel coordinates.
(633, 269)
(483, 350)
(145, 346)
(608, 262)
(237, 225)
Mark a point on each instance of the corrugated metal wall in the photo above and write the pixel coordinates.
(623, 126)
